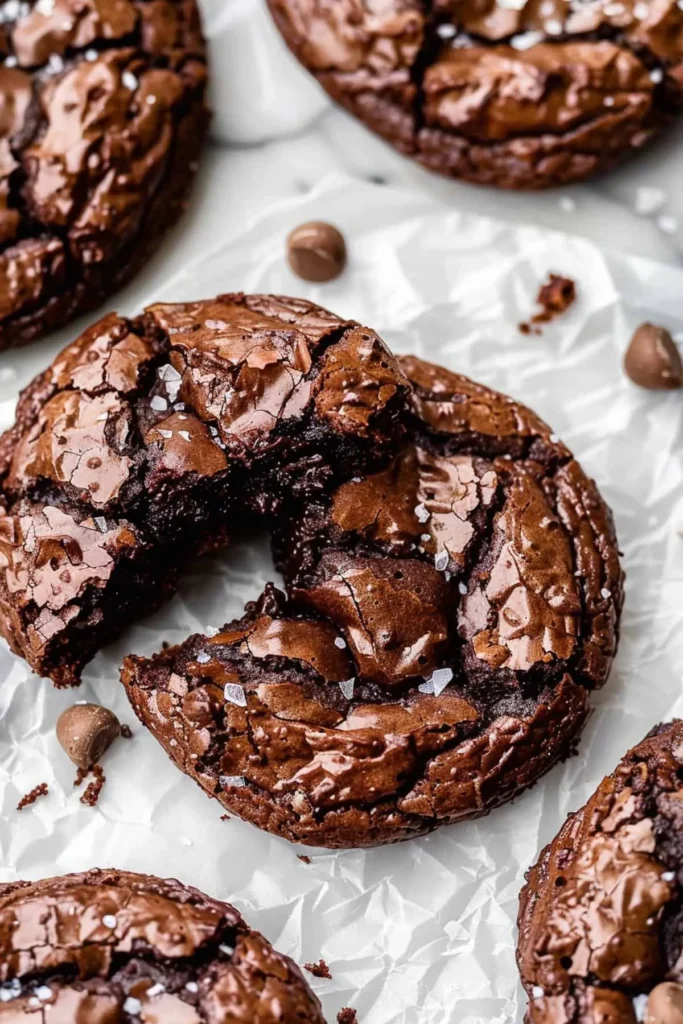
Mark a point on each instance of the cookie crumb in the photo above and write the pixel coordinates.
(318, 970)
(30, 798)
(126, 732)
(554, 297)
(302, 857)
(347, 1015)
(92, 793)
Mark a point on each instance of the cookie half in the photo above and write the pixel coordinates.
(600, 923)
(446, 619)
(108, 946)
(149, 439)
(102, 118)
(518, 95)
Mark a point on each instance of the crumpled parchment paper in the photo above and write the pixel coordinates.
(424, 932)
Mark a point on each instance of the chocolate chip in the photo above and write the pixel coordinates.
(85, 731)
(665, 1004)
(316, 251)
(652, 359)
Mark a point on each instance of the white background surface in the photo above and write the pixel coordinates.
(420, 933)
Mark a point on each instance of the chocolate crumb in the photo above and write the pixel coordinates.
(347, 1015)
(92, 793)
(81, 776)
(554, 297)
(302, 857)
(319, 970)
(225, 817)
(126, 732)
(30, 798)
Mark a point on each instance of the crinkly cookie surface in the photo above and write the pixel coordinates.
(446, 618)
(519, 95)
(102, 118)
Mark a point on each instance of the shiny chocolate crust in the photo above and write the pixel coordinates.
(600, 919)
(107, 947)
(148, 439)
(102, 118)
(518, 95)
(447, 616)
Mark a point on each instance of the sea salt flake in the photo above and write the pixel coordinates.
(44, 992)
(606, 593)
(668, 876)
(129, 80)
(11, 990)
(641, 11)
(168, 372)
(525, 40)
(347, 687)
(232, 780)
(159, 403)
(425, 538)
(656, 75)
(11, 62)
(441, 561)
(211, 631)
(554, 439)
(55, 63)
(203, 657)
(192, 986)
(91, 55)
(446, 31)
(166, 433)
(537, 992)
(422, 513)
(228, 950)
(649, 199)
(440, 679)
(553, 27)
(101, 524)
(155, 990)
(216, 325)
(102, 417)
(132, 1006)
(185, 434)
(640, 1006)
(234, 693)
(338, 642)
(608, 101)
(427, 686)
(462, 587)
(151, 100)
(45, 6)
(109, 921)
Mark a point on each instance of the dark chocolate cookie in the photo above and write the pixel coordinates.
(447, 617)
(148, 439)
(522, 94)
(110, 946)
(102, 117)
(600, 919)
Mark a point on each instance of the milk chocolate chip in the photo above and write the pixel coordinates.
(665, 1004)
(85, 731)
(316, 251)
(652, 359)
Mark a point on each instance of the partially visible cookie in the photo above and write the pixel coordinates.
(102, 118)
(600, 921)
(109, 946)
(519, 95)
(447, 618)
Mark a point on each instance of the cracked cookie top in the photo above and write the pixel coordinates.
(600, 916)
(519, 95)
(109, 946)
(101, 119)
(447, 615)
(147, 440)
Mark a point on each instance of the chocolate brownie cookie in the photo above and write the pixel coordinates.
(522, 94)
(102, 117)
(447, 617)
(111, 946)
(600, 920)
(148, 439)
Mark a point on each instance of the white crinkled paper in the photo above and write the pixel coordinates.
(423, 932)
